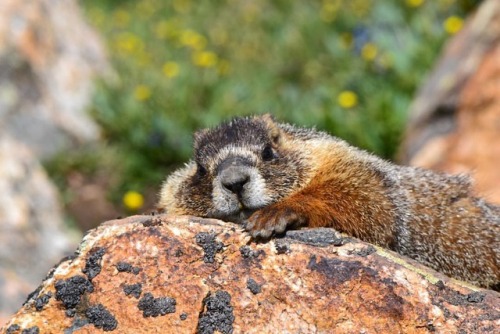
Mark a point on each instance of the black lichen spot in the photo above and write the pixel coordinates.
(101, 318)
(321, 237)
(154, 221)
(364, 252)
(178, 252)
(430, 327)
(13, 329)
(249, 253)
(253, 286)
(124, 267)
(31, 330)
(41, 301)
(183, 316)
(69, 291)
(246, 252)
(217, 314)
(210, 246)
(153, 307)
(338, 271)
(456, 298)
(70, 313)
(93, 263)
(282, 247)
(33, 294)
(440, 285)
(133, 289)
(127, 267)
(475, 297)
(447, 295)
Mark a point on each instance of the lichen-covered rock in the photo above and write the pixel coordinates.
(167, 274)
(454, 120)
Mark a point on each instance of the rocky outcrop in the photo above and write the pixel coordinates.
(167, 274)
(48, 56)
(31, 227)
(455, 119)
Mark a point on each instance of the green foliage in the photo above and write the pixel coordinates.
(182, 64)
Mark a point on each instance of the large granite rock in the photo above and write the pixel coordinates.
(32, 236)
(167, 274)
(48, 56)
(455, 119)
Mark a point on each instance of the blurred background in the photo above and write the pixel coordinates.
(348, 67)
(99, 99)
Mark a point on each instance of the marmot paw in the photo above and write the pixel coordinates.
(272, 220)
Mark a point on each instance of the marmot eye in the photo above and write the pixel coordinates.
(267, 153)
(200, 170)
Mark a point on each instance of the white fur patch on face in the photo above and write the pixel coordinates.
(225, 202)
(253, 197)
(238, 151)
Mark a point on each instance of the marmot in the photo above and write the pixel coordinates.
(270, 176)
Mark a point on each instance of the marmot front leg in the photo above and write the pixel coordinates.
(301, 209)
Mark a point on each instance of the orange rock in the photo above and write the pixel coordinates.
(167, 274)
(455, 119)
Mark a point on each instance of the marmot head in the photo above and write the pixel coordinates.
(238, 167)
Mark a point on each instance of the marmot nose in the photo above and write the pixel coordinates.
(233, 179)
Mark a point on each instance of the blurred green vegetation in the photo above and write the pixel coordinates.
(350, 67)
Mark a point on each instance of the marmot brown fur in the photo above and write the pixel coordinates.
(271, 176)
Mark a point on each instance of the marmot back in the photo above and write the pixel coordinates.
(271, 176)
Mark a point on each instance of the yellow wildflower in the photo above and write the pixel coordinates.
(453, 24)
(133, 200)
(369, 51)
(142, 92)
(347, 99)
(205, 59)
(129, 42)
(414, 3)
(193, 39)
(171, 69)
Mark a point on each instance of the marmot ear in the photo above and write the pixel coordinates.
(272, 126)
(198, 136)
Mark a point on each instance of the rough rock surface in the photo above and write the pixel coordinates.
(167, 274)
(48, 56)
(31, 226)
(455, 119)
